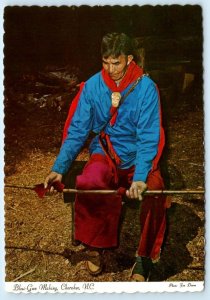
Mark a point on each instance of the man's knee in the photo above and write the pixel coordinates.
(96, 175)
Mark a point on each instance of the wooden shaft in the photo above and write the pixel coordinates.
(173, 192)
(75, 191)
(17, 186)
(148, 192)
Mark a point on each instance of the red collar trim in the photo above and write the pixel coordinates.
(132, 73)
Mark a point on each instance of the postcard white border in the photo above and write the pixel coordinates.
(103, 287)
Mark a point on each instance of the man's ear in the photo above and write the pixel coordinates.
(130, 58)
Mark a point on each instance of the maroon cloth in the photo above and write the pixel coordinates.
(152, 218)
(41, 190)
(97, 217)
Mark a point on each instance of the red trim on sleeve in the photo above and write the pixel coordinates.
(71, 112)
(161, 140)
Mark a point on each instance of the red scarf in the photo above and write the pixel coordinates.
(132, 73)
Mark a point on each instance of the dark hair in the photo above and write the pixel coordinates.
(115, 44)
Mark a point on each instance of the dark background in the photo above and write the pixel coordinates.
(37, 36)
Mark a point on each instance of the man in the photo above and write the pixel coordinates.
(122, 107)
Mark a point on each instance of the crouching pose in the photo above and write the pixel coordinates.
(121, 105)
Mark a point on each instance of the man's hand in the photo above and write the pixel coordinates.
(136, 190)
(53, 176)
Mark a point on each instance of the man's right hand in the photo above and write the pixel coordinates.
(52, 177)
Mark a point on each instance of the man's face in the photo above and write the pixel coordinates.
(116, 67)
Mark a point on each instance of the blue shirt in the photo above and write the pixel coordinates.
(134, 136)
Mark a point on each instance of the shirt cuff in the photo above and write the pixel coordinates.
(59, 169)
(140, 177)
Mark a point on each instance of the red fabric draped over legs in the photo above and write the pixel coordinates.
(97, 217)
(152, 218)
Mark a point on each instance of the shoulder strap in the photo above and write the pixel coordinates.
(114, 115)
(132, 87)
(115, 112)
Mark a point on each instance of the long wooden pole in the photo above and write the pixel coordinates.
(147, 192)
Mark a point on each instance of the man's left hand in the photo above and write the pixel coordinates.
(136, 190)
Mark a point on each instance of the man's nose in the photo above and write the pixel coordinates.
(110, 69)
